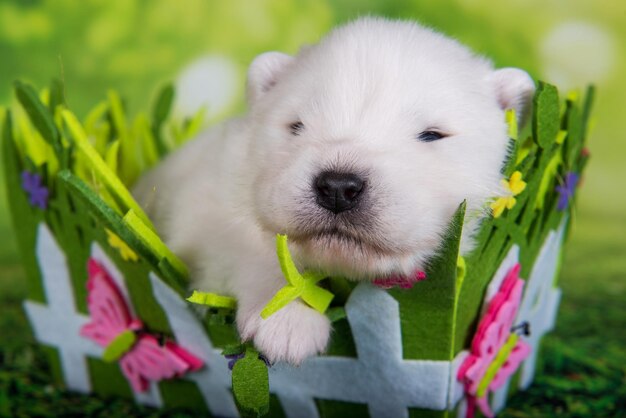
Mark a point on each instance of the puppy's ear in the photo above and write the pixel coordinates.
(264, 72)
(514, 90)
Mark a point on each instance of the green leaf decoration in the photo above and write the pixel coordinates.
(303, 286)
(39, 115)
(163, 104)
(251, 384)
(119, 346)
(160, 113)
(100, 168)
(546, 115)
(212, 300)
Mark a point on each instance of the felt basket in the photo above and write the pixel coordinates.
(459, 342)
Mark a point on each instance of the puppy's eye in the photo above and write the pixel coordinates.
(296, 128)
(430, 136)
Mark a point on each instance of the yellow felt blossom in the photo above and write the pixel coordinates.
(117, 243)
(515, 185)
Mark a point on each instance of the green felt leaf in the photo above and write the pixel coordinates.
(153, 242)
(575, 134)
(546, 116)
(119, 346)
(587, 105)
(212, 299)
(110, 180)
(160, 112)
(336, 313)
(303, 286)
(110, 219)
(251, 384)
(111, 156)
(163, 104)
(39, 115)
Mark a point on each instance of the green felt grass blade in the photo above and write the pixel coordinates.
(111, 219)
(160, 112)
(191, 127)
(111, 156)
(151, 240)
(212, 300)
(111, 181)
(33, 144)
(163, 104)
(38, 114)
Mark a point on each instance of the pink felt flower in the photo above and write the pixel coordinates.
(143, 358)
(496, 352)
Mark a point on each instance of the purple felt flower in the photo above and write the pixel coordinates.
(566, 190)
(232, 359)
(37, 192)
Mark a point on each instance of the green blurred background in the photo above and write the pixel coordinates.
(205, 46)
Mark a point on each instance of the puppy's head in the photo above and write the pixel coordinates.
(366, 143)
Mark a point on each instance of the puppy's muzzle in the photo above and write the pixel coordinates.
(338, 192)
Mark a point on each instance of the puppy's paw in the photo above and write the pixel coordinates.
(292, 334)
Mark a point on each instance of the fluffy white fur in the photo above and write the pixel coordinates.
(363, 94)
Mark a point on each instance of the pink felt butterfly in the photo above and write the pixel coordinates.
(496, 352)
(141, 356)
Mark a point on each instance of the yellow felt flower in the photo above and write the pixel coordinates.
(117, 243)
(515, 185)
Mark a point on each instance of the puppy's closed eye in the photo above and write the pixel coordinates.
(296, 128)
(431, 135)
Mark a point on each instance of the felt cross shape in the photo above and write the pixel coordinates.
(143, 358)
(303, 286)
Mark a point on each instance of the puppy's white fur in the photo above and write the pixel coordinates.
(363, 95)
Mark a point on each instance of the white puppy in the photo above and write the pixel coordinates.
(360, 149)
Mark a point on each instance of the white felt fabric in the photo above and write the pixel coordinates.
(541, 299)
(457, 391)
(379, 377)
(214, 379)
(58, 324)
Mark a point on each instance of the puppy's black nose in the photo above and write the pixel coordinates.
(338, 192)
